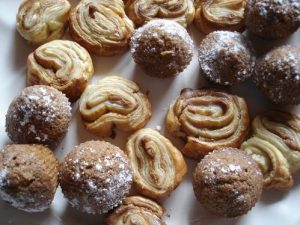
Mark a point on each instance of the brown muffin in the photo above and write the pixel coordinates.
(272, 19)
(40, 114)
(95, 177)
(277, 75)
(162, 48)
(227, 182)
(28, 176)
(226, 57)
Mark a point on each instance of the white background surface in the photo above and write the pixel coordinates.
(276, 208)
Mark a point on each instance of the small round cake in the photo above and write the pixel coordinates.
(95, 177)
(40, 115)
(228, 182)
(28, 176)
(277, 75)
(163, 48)
(226, 57)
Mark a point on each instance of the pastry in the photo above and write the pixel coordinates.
(95, 177)
(101, 26)
(275, 146)
(40, 21)
(208, 120)
(62, 64)
(28, 177)
(162, 48)
(226, 57)
(114, 102)
(158, 167)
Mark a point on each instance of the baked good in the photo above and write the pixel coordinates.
(114, 102)
(272, 19)
(207, 120)
(275, 146)
(143, 11)
(277, 75)
(226, 57)
(28, 176)
(227, 182)
(40, 21)
(212, 15)
(101, 26)
(158, 167)
(137, 210)
(95, 177)
(40, 114)
(162, 48)
(62, 64)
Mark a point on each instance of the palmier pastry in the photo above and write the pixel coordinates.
(275, 146)
(142, 11)
(137, 210)
(158, 167)
(101, 26)
(208, 120)
(114, 102)
(40, 21)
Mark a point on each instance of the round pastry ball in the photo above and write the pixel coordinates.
(28, 176)
(95, 177)
(227, 182)
(226, 57)
(277, 75)
(40, 114)
(163, 48)
(272, 19)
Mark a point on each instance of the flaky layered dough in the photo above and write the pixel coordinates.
(101, 26)
(114, 102)
(275, 146)
(208, 120)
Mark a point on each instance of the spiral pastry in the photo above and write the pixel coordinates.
(40, 21)
(142, 11)
(275, 146)
(114, 102)
(101, 26)
(64, 65)
(158, 167)
(137, 210)
(208, 120)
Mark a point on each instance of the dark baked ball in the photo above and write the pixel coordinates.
(40, 114)
(277, 75)
(95, 177)
(28, 176)
(227, 182)
(163, 48)
(226, 57)
(272, 19)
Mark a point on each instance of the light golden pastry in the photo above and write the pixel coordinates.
(101, 26)
(158, 166)
(142, 11)
(62, 64)
(275, 146)
(208, 120)
(114, 102)
(40, 21)
(137, 210)
(212, 15)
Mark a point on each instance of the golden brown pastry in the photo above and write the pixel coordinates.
(208, 120)
(114, 102)
(275, 146)
(101, 26)
(158, 167)
(40, 21)
(142, 11)
(62, 64)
